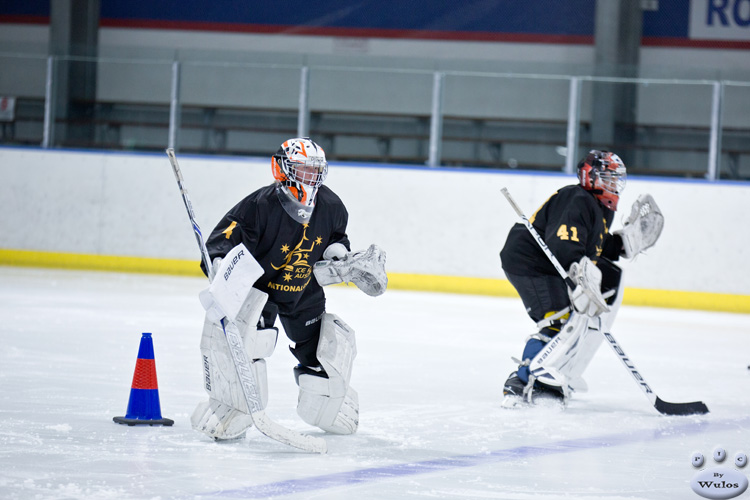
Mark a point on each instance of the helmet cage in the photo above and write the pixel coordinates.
(310, 171)
(299, 167)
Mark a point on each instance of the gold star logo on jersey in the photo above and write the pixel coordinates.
(296, 265)
(298, 257)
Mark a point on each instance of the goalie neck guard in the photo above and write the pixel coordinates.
(299, 168)
(603, 173)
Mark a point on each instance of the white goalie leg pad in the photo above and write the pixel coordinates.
(219, 421)
(225, 414)
(331, 403)
(607, 319)
(565, 358)
(221, 382)
(590, 341)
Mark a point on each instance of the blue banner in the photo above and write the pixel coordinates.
(571, 20)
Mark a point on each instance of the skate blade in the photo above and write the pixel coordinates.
(550, 402)
(517, 403)
(514, 403)
(229, 439)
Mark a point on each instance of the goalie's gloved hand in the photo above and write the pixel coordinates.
(586, 298)
(642, 228)
(214, 312)
(214, 266)
(327, 271)
(366, 269)
(337, 251)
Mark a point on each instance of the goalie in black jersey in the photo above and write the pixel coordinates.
(294, 231)
(575, 224)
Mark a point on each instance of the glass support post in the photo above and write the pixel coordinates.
(714, 146)
(174, 106)
(574, 114)
(303, 113)
(436, 120)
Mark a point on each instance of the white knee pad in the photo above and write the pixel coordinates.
(331, 403)
(218, 417)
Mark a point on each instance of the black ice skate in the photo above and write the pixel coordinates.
(518, 394)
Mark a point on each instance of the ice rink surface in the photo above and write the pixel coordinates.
(429, 375)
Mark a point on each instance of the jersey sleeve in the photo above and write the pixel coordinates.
(338, 234)
(336, 216)
(612, 248)
(239, 225)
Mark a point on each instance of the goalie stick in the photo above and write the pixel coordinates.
(663, 407)
(247, 381)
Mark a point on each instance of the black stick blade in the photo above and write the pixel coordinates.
(694, 408)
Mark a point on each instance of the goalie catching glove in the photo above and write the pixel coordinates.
(642, 227)
(366, 269)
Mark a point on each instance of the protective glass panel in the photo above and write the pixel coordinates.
(735, 133)
(237, 108)
(22, 90)
(369, 114)
(656, 128)
(505, 122)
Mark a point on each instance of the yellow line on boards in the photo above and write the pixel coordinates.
(27, 258)
(396, 281)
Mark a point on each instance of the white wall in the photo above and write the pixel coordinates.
(429, 221)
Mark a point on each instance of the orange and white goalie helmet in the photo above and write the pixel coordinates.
(604, 174)
(299, 167)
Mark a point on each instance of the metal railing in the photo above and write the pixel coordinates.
(437, 112)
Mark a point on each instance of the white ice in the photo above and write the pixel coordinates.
(429, 375)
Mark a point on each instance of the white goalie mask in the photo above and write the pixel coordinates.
(299, 167)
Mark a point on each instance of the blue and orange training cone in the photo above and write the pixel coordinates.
(143, 406)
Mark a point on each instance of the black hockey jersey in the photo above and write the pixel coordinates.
(284, 248)
(573, 223)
